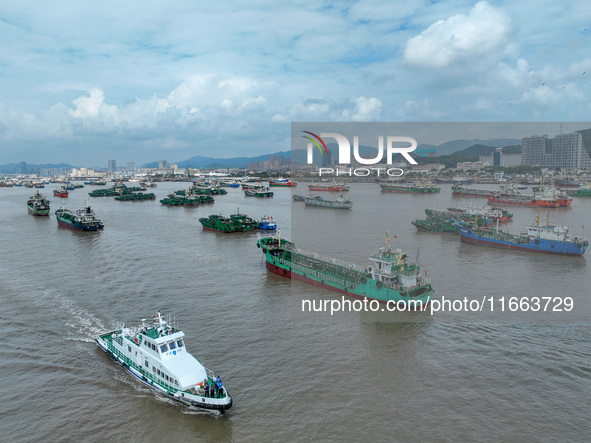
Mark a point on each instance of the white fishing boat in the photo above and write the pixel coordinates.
(156, 355)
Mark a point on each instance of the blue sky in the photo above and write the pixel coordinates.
(84, 82)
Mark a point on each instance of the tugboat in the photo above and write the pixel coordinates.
(267, 223)
(82, 220)
(388, 278)
(38, 205)
(156, 355)
(61, 192)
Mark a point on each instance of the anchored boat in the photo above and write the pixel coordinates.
(330, 187)
(38, 205)
(156, 355)
(82, 220)
(237, 222)
(267, 223)
(340, 202)
(414, 188)
(60, 192)
(388, 278)
(282, 182)
(545, 239)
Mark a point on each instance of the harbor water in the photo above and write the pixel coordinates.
(293, 375)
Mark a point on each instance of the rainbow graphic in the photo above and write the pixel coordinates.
(315, 142)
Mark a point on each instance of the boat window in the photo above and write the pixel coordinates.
(129, 348)
(163, 348)
(171, 346)
(147, 364)
(180, 343)
(153, 368)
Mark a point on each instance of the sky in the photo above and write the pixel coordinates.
(140, 81)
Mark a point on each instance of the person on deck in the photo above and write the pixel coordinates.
(206, 389)
(218, 383)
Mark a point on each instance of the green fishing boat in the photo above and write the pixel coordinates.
(237, 222)
(581, 192)
(218, 223)
(437, 224)
(136, 196)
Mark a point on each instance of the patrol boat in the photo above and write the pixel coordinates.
(156, 355)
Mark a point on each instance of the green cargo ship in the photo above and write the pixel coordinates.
(388, 278)
(426, 188)
(37, 204)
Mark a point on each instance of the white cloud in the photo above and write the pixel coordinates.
(366, 109)
(460, 39)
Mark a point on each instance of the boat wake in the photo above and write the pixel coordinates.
(81, 324)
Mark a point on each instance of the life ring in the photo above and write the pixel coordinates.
(379, 284)
(137, 341)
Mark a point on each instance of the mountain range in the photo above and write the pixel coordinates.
(449, 152)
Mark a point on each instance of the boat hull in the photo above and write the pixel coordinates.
(38, 212)
(533, 202)
(542, 246)
(415, 299)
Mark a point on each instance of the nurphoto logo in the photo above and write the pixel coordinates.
(344, 153)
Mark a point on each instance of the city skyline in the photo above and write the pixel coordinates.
(137, 83)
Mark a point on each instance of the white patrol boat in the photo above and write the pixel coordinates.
(157, 356)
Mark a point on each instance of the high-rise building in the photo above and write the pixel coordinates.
(23, 167)
(327, 159)
(112, 165)
(564, 151)
(130, 166)
(280, 161)
(162, 164)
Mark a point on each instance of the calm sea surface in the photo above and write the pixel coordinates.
(453, 376)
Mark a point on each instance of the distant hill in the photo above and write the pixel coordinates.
(15, 168)
(199, 161)
(469, 154)
(457, 145)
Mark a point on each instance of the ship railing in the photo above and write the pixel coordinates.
(148, 375)
(329, 260)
